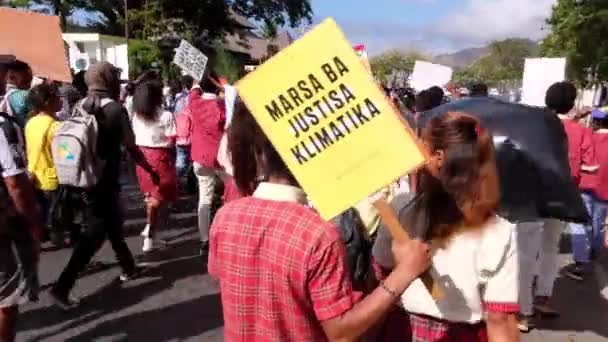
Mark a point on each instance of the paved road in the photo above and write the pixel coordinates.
(178, 301)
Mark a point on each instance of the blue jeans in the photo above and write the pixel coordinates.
(182, 162)
(588, 238)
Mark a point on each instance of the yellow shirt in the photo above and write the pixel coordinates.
(39, 132)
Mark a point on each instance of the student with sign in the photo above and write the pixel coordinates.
(281, 267)
(455, 209)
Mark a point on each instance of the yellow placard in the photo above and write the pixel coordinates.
(329, 121)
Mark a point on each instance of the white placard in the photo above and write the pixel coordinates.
(539, 75)
(230, 94)
(427, 75)
(191, 60)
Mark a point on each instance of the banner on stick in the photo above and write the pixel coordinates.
(427, 75)
(329, 121)
(539, 75)
(191, 60)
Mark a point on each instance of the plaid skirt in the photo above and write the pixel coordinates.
(401, 326)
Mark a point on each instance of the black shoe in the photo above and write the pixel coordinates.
(204, 248)
(137, 273)
(575, 272)
(65, 303)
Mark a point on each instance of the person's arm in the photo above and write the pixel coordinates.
(588, 159)
(22, 193)
(413, 258)
(501, 293)
(131, 146)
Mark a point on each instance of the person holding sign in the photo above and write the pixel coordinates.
(476, 251)
(281, 267)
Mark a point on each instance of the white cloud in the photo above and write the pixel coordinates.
(481, 21)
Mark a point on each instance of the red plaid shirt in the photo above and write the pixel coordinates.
(282, 269)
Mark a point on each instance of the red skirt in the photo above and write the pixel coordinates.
(401, 326)
(162, 161)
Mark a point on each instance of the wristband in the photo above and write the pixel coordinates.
(389, 291)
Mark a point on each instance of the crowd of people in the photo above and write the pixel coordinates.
(285, 274)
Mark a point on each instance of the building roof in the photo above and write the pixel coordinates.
(256, 47)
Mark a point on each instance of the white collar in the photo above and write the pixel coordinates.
(209, 96)
(563, 117)
(280, 192)
(602, 131)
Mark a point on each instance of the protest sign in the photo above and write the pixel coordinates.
(191, 60)
(539, 75)
(35, 39)
(329, 121)
(427, 75)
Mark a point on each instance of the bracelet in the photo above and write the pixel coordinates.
(389, 291)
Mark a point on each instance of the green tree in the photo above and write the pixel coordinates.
(142, 54)
(504, 61)
(226, 65)
(268, 30)
(578, 32)
(61, 8)
(385, 64)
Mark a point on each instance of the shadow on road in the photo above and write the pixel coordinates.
(181, 319)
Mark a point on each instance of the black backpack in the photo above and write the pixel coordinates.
(358, 246)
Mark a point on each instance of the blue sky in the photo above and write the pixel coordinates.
(434, 26)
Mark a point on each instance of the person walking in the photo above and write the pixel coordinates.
(19, 229)
(476, 251)
(539, 240)
(155, 134)
(103, 212)
(45, 102)
(19, 81)
(208, 113)
(589, 246)
(281, 267)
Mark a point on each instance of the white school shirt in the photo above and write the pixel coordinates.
(159, 133)
(476, 268)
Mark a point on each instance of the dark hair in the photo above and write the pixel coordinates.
(80, 84)
(561, 97)
(187, 82)
(147, 76)
(466, 191)
(437, 96)
(148, 100)
(18, 66)
(599, 124)
(251, 152)
(479, 89)
(175, 86)
(41, 96)
(424, 101)
(130, 88)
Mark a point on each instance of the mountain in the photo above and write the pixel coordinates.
(461, 58)
(466, 57)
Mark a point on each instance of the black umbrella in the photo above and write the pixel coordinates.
(532, 159)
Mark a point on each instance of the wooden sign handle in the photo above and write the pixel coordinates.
(390, 220)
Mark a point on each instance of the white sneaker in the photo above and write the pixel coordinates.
(148, 245)
(146, 232)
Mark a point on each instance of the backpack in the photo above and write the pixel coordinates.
(358, 246)
(74, 149)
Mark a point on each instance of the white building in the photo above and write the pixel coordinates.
(89, 48)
